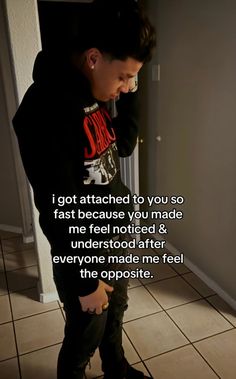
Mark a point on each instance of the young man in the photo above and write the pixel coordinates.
(70, 146)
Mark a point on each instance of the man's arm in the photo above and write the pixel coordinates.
(126, 123)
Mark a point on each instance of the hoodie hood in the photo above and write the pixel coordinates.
(52, 70)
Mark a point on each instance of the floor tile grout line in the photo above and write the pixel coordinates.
(1, 247)
(39, 349)
(8, 359)
(143, 362)
(179, 273)
(24, 289)
(202, 298)
(6, 322)
(37, 314)
(188, 344)
(32, 315)
(200, 338)
(13, 325)
(131, 342)
(182, 275)
(178, 348)
(21, 268)
(24, 247)
(135, 286)
(16, 236)
(189, 341)
(142, 317)
(10, 238)
(17, 269)
(172, 277)
(206, 361)
(213, 335)
(169, 351)
(160, 280)
(193, 301)
(189, 302)
(18, 252)
(181, 331)
(191, 285)
(220, 311)
(166, 352)
(175, 306)
(163, 310)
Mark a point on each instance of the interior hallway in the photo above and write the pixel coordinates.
(175, 327)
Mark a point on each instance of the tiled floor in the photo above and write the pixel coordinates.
(175, 326)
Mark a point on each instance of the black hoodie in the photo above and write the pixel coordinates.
(69, 146)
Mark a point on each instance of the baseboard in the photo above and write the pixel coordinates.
(48, 297)
(10, 228)
(205, 278)
(28, 239)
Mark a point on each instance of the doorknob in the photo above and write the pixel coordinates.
(158, 138)
(140, 140)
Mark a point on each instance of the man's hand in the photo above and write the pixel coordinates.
(95, 300)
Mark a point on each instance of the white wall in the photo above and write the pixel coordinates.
(10, 214)
(24, 36)
(10, 211)
(193, 109)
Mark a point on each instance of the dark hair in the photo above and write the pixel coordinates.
(118, 28)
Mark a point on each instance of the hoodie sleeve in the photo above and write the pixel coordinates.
(51, 145)
(126, 123)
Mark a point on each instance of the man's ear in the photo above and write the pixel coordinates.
(93, 56)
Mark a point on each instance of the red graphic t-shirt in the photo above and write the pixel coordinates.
(100, 153)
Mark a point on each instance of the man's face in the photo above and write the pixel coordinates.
(111, 77)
